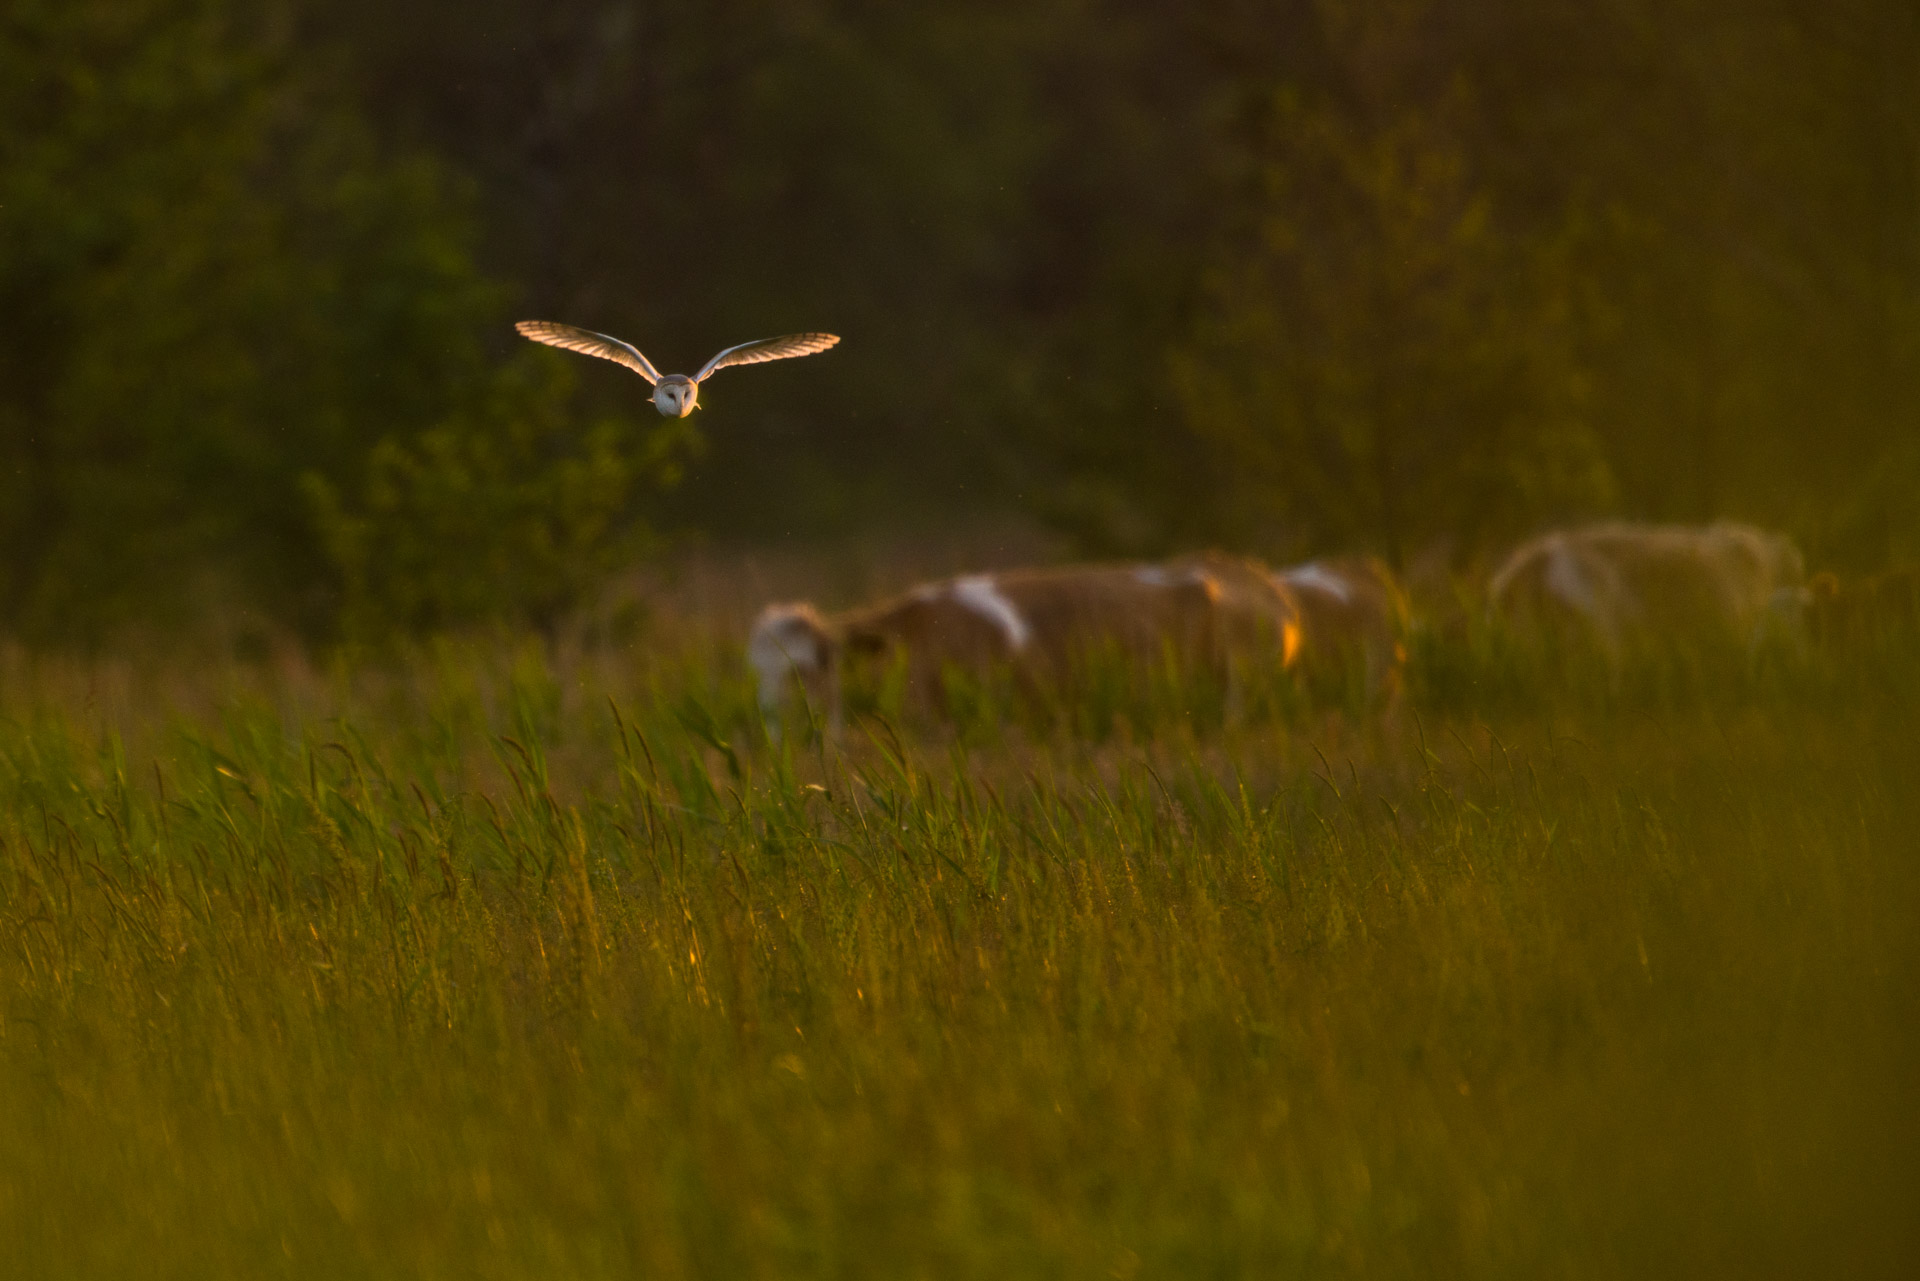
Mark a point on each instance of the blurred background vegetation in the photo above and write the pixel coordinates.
(1292, 276)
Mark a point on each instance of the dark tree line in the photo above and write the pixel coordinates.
(1290, 276)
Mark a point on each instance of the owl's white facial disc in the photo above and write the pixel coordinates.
(675, 398)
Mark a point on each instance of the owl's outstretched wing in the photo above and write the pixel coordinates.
(591, 344)
(753, 353)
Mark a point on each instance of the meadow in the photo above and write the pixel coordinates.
(491, 961)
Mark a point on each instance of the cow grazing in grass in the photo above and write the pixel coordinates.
(1256, 615)
(1034, 622)
(1353, 620)
(1625, 586)
(1330, 622)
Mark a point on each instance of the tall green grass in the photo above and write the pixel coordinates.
(488, 966)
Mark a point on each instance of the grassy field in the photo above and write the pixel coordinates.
(490, 965)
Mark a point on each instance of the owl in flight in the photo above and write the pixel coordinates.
(674, 395)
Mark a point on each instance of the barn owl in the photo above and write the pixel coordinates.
(674, 395)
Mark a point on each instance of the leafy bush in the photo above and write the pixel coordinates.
(214, 279)
(1379, 362)
(504, 513)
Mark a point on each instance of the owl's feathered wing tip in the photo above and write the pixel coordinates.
(765, 349)
(589, 343)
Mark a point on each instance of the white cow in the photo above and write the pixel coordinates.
(1626, 585)
(1353, 618)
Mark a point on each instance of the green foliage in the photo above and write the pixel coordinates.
(1308, 275)
(1379, 363)
(1877, 523)
(464, 971)
(504, 515)
(213, 280)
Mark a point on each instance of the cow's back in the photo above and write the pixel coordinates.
(1630, 584)
(1142, 613)
(933, 626)
(1257, 617)
(1349, 606)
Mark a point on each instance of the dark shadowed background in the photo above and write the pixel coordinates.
(1289, 277)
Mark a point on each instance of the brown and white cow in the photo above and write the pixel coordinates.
(1034, 622)
(1325, 620)
(1353, 619)
(1257, 616)
(1624, 585)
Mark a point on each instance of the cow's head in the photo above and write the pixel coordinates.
(792, 642)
